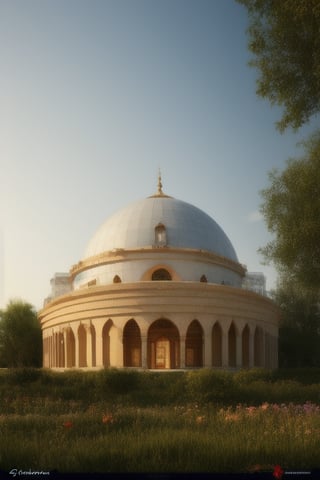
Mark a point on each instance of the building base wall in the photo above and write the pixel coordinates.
(160, 325)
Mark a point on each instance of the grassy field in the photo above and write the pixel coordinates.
(129, 421)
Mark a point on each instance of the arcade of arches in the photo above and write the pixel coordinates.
(160, 346)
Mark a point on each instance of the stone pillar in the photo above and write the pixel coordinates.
(76, 348)
(43, 352)
(55, 354)
(251, 349)
(238, 350)
(182, 351)
(207, 350)
(65, 347)
(116, 347)
(49, 351)
(89, 345)
(225, 349)
(144, 340)
(263, 353)
(99, 349)
(275, 360)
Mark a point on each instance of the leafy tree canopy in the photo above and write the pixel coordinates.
(291, 210)
(285, 41)
(20, 336)
(299, 332)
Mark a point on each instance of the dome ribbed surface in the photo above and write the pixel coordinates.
(186, 226)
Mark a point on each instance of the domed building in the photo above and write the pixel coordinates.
(159, 287)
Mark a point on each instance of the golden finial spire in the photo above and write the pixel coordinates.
(160, 192)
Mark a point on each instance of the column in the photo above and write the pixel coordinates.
(225, 349)
(89, 345)
(99, 349)
(55, 355)
(238, 350)
(207, 349)
(182, 351)
(76, 348)
(144, 351)
(65, 347)
(251, 348)
(263, 353)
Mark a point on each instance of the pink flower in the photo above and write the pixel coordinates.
(232, 417)
(200, 420)
(251, 410)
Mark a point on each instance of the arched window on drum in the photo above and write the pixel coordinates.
(160, 235)
(161, 275)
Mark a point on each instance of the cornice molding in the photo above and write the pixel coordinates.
(149, 289)
(121, 255)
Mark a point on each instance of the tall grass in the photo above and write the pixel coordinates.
(129, 421)
(160, 439)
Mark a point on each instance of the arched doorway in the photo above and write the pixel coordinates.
(216, 345)
(245, 347)
(131, 344)
(163, 345)
(194, 345)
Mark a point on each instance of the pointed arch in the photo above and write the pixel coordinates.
(163, 345)
(232, 346)
(203, 279)
(131, 344)
(216, 345)
(117, 279)
(245, 346)
(194, 345)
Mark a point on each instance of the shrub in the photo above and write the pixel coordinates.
(245, 377)
(23, 375)
(302, 375)
(118, 381)
(209, 385)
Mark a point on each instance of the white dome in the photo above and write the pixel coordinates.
(186, 226)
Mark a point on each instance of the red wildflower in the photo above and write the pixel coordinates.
(278, 472)
(107, 419)
(68, 425)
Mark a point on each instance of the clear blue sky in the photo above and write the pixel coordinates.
(96, 96)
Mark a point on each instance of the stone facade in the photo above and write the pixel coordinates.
(159, 287)
(160, 325)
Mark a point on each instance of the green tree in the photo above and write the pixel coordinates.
(20, 336)
(291, 210)
(299, 332)
(285, 41)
